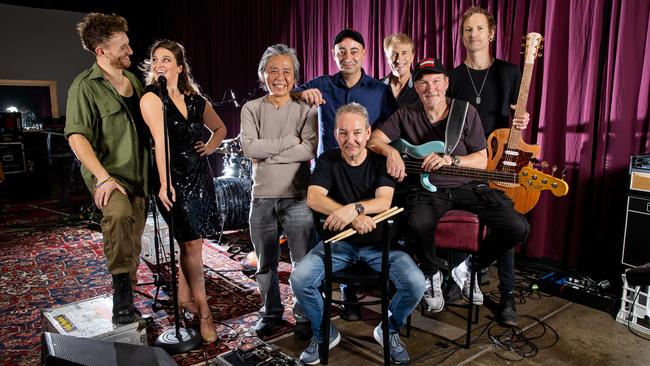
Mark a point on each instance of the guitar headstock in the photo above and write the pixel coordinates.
(533, 45)
(534, 179)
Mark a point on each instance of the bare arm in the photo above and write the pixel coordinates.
(85, 153)
(151, 108)
(474, 160)
(379, 143)
(214, 123)
(339, 216)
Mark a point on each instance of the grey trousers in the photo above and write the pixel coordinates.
(268, 218)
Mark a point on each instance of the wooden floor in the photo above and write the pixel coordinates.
(585, 336)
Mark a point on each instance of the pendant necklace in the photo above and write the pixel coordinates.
(478, 92)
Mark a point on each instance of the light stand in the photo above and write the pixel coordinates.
(177, 339)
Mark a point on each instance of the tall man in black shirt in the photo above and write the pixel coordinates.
(490, 85)
(349, 184)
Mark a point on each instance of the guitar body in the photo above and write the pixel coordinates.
(501, 159)
(420, 152)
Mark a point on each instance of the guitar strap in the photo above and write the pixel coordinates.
(455, 124)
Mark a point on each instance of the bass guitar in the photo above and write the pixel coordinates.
(507, 151)
(527, 178)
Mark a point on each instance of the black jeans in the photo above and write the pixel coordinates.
(506, 227)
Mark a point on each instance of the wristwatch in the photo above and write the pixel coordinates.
(359, 208)
(455, 160)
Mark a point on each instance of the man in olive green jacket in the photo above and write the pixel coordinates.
(105, 130)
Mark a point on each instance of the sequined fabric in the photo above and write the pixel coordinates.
(195, 211)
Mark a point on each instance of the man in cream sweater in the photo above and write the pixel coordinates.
(279, 134)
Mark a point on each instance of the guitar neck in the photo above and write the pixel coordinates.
(522, 102)
(479, 174)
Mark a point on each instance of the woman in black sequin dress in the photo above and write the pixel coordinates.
(193, 205)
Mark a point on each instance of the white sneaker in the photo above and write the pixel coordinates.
(433, 299)
(461, 274)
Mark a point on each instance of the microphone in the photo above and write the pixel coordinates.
(234, 99)
(162, 84)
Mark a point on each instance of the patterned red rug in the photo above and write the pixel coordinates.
(47, 260)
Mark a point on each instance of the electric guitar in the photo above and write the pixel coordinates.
(527, 178)
(507, 151)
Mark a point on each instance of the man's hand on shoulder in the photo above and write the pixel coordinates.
(312, 96)
(340, 218)
(363, 224)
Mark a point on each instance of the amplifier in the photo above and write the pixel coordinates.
(640, 173)
(12, 157)
(636, 239)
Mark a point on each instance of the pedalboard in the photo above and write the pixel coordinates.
(255, 353)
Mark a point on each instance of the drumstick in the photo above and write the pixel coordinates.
(395, 212)
(377, 219)
(351, 231)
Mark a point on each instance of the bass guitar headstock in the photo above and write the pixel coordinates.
(537, 180)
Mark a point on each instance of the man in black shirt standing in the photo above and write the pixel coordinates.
(490, 85)
(348, 185)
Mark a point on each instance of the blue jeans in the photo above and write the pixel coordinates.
(268, 218)
(308, 276)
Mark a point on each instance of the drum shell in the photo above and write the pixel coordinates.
(233, 199)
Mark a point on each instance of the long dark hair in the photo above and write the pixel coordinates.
(186, 83)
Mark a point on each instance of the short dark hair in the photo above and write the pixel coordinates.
(97, 28)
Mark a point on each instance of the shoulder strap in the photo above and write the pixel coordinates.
(455, 124)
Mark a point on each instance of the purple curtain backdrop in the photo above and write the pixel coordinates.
(589, 93)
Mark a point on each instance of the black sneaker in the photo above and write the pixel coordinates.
(123, 309)
(267, 326)
(452, 293)
(302, 331)
(507, 313)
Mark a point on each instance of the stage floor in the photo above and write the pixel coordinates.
(48, 258)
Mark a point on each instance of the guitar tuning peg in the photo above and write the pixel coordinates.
(553, 170)
(539, 54)
(523, 38)
(544, 165)
(563, 173)
(541, 46)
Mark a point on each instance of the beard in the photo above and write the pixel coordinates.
(121, 62)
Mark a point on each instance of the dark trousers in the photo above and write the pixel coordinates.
(506, 226)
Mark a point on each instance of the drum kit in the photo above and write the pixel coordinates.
(233, 188)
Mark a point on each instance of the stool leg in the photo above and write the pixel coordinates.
(471, 306)
(385, 320)
(324, 347)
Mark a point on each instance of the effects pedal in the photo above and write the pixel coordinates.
(255, 353)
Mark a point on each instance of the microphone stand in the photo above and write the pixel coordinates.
(176, 340)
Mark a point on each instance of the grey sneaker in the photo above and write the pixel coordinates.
(311, 356)
(433, 299)
(398, 353)
(461, 274)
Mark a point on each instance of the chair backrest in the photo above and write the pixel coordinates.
(385, 245)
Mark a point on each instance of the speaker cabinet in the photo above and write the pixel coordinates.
(60, 350)
(636, 240)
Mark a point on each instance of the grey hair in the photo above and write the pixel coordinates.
(355, 108)
(275, 50)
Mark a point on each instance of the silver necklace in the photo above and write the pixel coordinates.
(478, 92)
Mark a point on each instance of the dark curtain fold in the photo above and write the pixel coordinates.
(589, 93)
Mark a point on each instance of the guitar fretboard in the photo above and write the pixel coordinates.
(457, 171)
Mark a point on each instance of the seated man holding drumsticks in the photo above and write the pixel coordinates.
(349, 184)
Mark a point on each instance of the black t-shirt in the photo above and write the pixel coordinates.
(500, 91)
(347, 184)
(411, 123)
